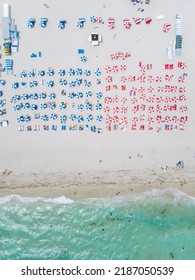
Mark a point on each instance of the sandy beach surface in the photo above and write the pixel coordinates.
(128, 155)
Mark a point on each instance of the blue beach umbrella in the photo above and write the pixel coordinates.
(50, 83)
(71, 95)
(61, 72)
(89, 118)
(26, 105)
(98, 106)
(99, 94)
(87, 73)
(2, 82)
(23, 74)
(80, 22)
(16, 97)
(63, 82)
(52, 96)
(62, 106)
(79, 71)
(50, 72)
(42, 95)
(88, 106)
(88, 94)
(87, 84)
(73, 117)
(52, 105)
(79, 95)
(44, 118)
(25, 96)
(33, 84)
(80, 107)
(15, 85)
(17, 107)
(63, 118)
(27, 118)
(53, 116)
(98, 72)
(72, 84)
(20, 119)
(41, 73)
(31, 73)
(62, 24)
(83, 58)
(92, 18)
(43, 105)
(34, 96)
(34, 107)
(80, 118)
(99, 118)
(79, 81)
(71, 72)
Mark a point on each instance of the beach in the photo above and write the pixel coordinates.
(97, 130)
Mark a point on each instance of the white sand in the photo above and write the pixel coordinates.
(98, 157)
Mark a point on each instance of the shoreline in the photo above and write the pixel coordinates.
(86, 185)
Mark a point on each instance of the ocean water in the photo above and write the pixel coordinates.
(153, 225)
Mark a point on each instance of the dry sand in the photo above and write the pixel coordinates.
(83, 164)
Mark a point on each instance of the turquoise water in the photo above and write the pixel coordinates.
(153, 225)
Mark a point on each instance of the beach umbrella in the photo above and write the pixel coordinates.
(34, 107)
(109, 79)
(63, 82)
(31, 73)
(150, 89)
(89, 118)
(124, 110)
(41, 73)
(73, 117)
(87, 84)
(126, 23)
(80, 107)
(26, 106)
(98, 106)
(25, 96)
(87, 73)
(123, 79)
(23, 74)
(182, 89)
(108, 69)
(34, 96)
(62, 105)
(79, 71)
(99, 19)
(50, 83)
(80, 24)
(99, 94)
(72, 84)
(33, 84)
(42, 95)
(63, 118)
(52, 105)
(106, 109)
(71, 72)
(50, 72)
(17, 107)
(79, 95)
(20, 119)
(43, 22)
(111, 23)
(88, 94)
(115, 69)
(16, 97)
(83, 58)
(123, 100)
(108, 120)
(27, 118)
(52, 95)
(92, 18)
(150, 79)
(53, 116)
(88, 106)
(99, 118)
(43, 105)
(115, 109)
(61, 72)
(115, 119)
(31, 22)
(98, 72)
(15, 85)
(44, 118)
(71, 95)
(79, 81)
(166, 27)
(80, 118)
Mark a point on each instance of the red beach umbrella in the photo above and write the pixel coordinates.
(123, 67)
(108, 79)
(166, 27)
(148, 20)
(106, 109)
(123, 79)
(126, 23)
